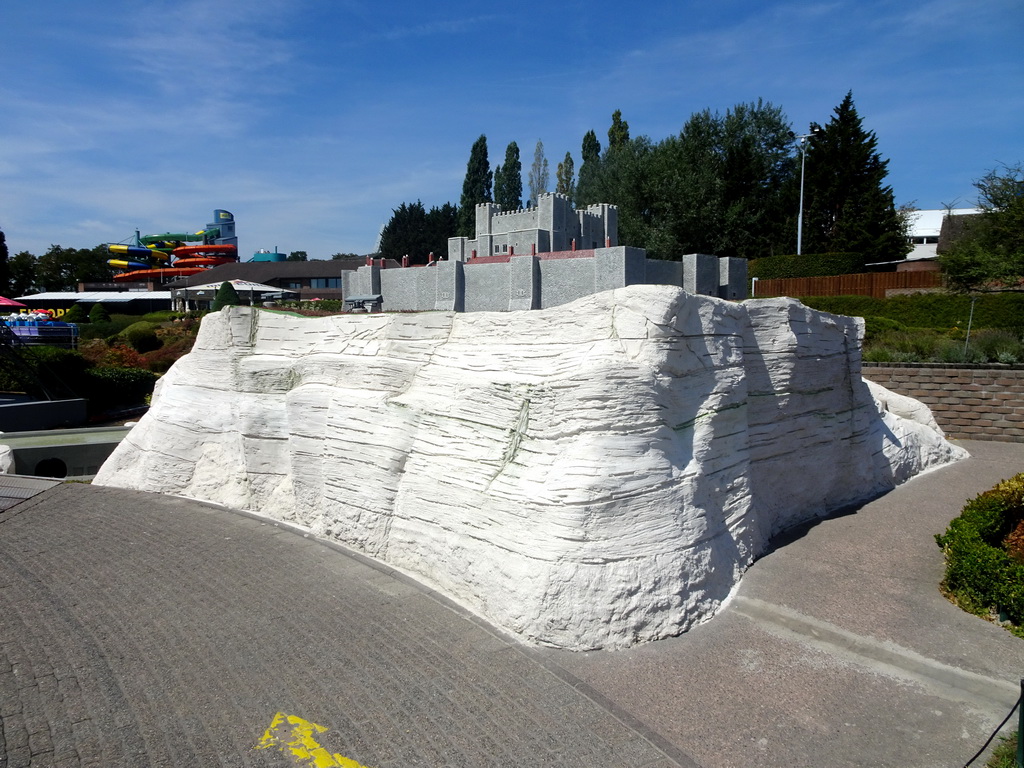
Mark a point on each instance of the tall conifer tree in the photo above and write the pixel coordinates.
(5, 270)
(476, 188)
(590, 171)
(847, 206)
(508, 180)
(564, 182)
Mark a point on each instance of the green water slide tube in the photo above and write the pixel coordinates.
(181, 236)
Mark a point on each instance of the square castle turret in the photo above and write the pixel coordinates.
(553, 225)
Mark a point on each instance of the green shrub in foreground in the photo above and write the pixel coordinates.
(980, 573)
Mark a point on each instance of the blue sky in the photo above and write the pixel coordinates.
(311, 120)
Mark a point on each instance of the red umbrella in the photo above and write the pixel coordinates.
(10, 303)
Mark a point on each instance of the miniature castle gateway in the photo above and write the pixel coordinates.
(536, 258)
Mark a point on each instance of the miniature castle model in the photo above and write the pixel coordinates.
(551, 226)
(537, 258)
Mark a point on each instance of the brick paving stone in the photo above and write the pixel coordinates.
(142, 630)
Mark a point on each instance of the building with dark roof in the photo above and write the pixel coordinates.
(319, 279)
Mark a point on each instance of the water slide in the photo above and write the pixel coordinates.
(167, 256)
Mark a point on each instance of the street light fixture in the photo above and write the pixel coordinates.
(815, 129)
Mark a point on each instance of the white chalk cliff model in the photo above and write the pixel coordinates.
(590, 476)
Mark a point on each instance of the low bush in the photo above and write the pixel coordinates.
(162, 316)
(161, 360)
(875, 326)
(927, 345)
(984, 550)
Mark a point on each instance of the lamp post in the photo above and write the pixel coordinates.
(803, 162)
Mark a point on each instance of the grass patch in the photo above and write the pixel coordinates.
(1005, 753)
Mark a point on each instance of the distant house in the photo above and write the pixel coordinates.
(929, 230)
(318, 279)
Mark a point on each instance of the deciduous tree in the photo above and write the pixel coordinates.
(618, 133)
(989, 254)
(715, 188)
(23, 269)
(61, 269)
(539, 174)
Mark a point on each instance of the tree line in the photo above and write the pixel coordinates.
(726, 184)
(62, 269)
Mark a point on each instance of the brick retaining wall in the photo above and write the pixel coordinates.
(968, 401)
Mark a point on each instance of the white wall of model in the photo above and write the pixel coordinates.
(589, 476)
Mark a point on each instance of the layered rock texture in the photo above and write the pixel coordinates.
(590, 476)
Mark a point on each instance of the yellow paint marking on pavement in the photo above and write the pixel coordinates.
(289, 733)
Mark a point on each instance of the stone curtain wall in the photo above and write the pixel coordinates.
(509, 283)
(967, 401)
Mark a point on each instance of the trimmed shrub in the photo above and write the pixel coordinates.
(76, 314)
(805, 265)
(141, 336)
(226, 296)
(99, 314)
(984, 559)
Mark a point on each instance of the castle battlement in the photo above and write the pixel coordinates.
(551, 225)
(539, 257)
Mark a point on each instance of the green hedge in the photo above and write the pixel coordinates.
(110, 387)
(930, 310)
(980, 573)
(805, 265)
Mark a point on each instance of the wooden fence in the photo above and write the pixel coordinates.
(876, 284)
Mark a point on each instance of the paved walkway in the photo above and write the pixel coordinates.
(143, 630)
